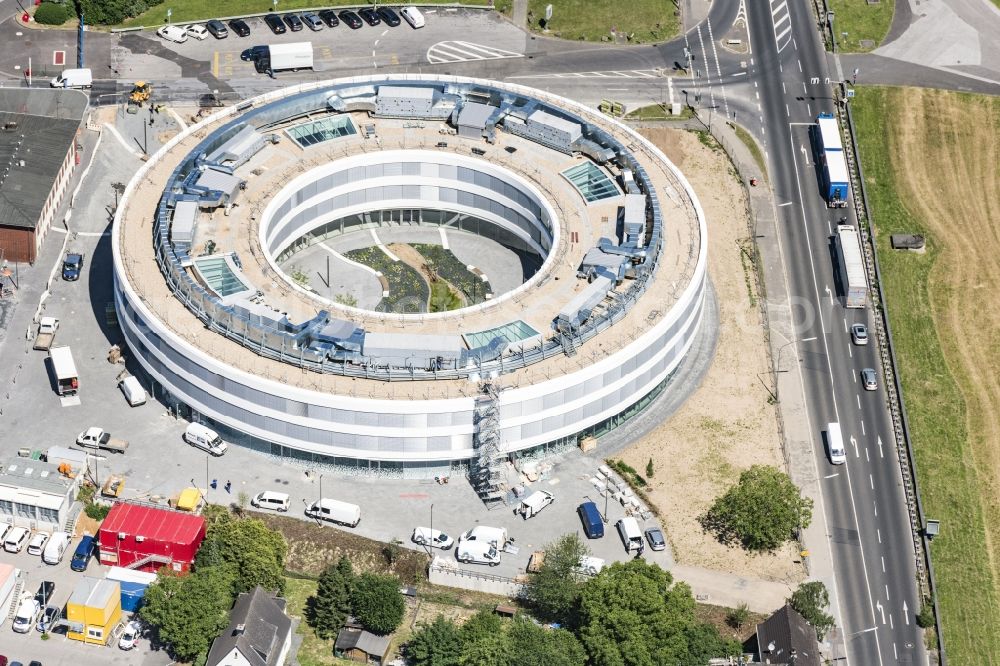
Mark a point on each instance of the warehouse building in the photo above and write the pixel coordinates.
(144, 537)
(35, 495)
(39, 150)
(93, 610)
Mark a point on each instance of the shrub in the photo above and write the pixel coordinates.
(97, 511)
(49, 13)
(925, 618)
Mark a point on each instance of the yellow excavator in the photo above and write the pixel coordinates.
(140, 94)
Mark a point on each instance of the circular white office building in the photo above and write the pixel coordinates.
(404, 273)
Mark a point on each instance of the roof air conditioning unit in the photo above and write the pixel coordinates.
(140, 539)
(122, 535)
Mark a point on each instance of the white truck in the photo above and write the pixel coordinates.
(67, 379)
(46, 335)
(851, 267)
(294, 56)
(97, 438)
(73, 78)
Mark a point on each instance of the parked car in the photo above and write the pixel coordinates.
(270, 499)
(859, 334)
(129, 636)
(217, 28)
(275, 23)
(655, 538)
(173, 33)
(534, 503)
(15, 539)
(293, 21)
(197, 31)
(869, 379)
(412, 16)
(44, 594)
(37, 544)
(350, 19)
(312, 21)
(593, 524)
(370, 16)
(388, 15)
(329, 17)
(204, 438)
(240, 27)
(253, 52)
(73, 263)
(84, 551)
(425, 536)
(49, 615)
(24, 617)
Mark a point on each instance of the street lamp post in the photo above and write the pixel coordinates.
(431, 545)
(320, 487)
(777, 365)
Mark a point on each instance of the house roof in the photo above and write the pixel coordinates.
(37, 128)
(784, 632)
(351, 638)
(257, 628)
(152, 523)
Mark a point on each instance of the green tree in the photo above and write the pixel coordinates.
(188, 612)
(761, 512)
(109, 12)
(705, 643)
(553, 592)
(532, 645)
(633, 614)
(436, 644)
(737, 617)
(256, 552)
(50, 13)
(649, 469)
(377, 603)
(811, 601)
(331, 604)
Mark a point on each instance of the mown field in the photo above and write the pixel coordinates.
(932, 166)
(863, 22)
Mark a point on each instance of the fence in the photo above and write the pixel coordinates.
(443, 574)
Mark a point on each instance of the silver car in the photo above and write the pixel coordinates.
(869, 379)
(655, 538)
(859, 334)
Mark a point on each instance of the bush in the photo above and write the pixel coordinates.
(49, 13)
(925, 618)
(97, 511)
(377, 603)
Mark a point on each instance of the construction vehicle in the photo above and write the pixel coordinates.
(140, 94)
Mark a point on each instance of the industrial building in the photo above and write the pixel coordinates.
(576, 348)
(93, 610)
(147, 538)
(39, 151)
(35, 495)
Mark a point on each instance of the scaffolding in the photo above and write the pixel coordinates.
(486, 471)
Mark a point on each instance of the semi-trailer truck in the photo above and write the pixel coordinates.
(830, 155)
(851, 267)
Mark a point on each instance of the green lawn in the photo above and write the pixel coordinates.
(657, 112)
(590, 20)
(950, 488)
(861, 21)
(754, 148)
(199, 10)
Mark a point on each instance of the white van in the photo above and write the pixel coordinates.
(425, 536)
(412, 16)
(204, 438)
(55, 548)
(270, 499)
(37, 544)
(27, 611)
(534, 503)
(477, 552)
(73, 78)
(173, 33)
(15, 540)
(835, 444)
(335, 511)
(631, 535)
(134, 393)
(494, 535)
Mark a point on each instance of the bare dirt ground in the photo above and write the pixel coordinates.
(728, 424)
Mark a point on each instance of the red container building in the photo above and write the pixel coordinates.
(148, 538)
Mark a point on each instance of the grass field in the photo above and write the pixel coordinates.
(590, 20)
(657, 112)
(935, 172)
(861, 21)
(199, 10)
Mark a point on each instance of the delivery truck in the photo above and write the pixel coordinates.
(279, 57)
(67, 379)
(46, 335)
(73, 78)
(851, 267)
(832, 161)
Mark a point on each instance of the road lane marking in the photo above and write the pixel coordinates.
(874, 505)
(859, 401)
(871, 481)
(879, 533)
(887, 595)
(862, 427)
(854, 442)
(800, 70)
(880, 454)
(906, 613)
(830, 476)
(787, 203)
(384, 32)
(459, 51)
(215, 64)
(883, 563)
(881, 610)
(867, 458)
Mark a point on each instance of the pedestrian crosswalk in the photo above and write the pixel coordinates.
(456, 51)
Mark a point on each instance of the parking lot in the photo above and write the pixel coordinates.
(59, 650)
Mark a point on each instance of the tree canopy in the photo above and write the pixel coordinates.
(553, 592)
(436, 644)
(256, 552)
(811, 601)
(761, 512)
(377, 602)
(331, 604)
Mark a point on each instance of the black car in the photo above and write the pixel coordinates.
(352, 20)
(293, 21)
(329, 17)
(217, 28)
(72, 267)
(274, 22)
(253, 53)
(388, 15)
(45, 591)
(369, 15)
(240, 27)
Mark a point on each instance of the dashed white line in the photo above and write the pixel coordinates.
(787, 112)
(871, 481)
(800, 67)
(883, 563)
(878, 532)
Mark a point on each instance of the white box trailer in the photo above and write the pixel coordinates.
(851, 267)
(67, 379)
(294, 56)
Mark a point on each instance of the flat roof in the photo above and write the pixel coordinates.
(153, 523)
(94, 592)
(34, 475)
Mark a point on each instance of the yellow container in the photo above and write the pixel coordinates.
(94, 608)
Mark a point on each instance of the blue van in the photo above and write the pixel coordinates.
(593, 525)
(81, 558)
